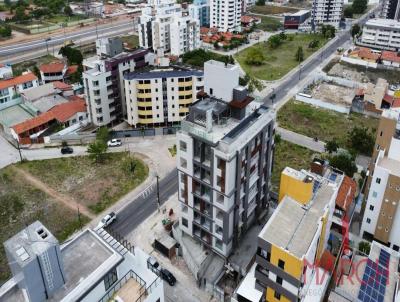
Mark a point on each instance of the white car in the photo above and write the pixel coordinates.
(107, 220)
(114, 142)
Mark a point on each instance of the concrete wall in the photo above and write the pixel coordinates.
(359, 62)
(322, 104)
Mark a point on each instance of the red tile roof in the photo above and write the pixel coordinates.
(327, 261)
(396, 103)
(72, 69)
(390, 56)
(388, 98)
(24, 78)
(62, 85)
(60, 113)
(52, 67)
(248, 19)
(366, 53)
(346, 193)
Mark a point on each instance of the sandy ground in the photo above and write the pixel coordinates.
(333, 94)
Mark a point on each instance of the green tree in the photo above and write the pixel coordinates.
(274, 41)
(328, 31)
(331, 146)
(36, 71)
(359, 6)
(254, 57)
(313, 44)
(361, 140)
(20, 14)
(344, 162)
(73, 55)
(103, 134)
(68, 11)
(348, 12)
(260, 2)
(355, 30)
(299, 55)
(97, 151)
(254, 84)
(364, 247)
(5, 31)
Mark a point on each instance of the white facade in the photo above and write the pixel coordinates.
(390, 9)
(221, 79)
(5, 71)
(11, 88)
(327, 12)
(226, 14)
(381, 34)
(158, 98)
(164, 29)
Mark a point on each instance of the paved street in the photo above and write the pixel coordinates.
(301, 140)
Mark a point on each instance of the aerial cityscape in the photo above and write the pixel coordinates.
(200, 150)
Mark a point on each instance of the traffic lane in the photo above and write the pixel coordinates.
(143, 206)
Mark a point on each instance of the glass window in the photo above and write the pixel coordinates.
(110, 278)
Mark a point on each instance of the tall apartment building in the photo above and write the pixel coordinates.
(390, 10)
(200, 10)
(224, 159)
(327, 12)
(103, 80)
(164, 29)
(381, 34)
(381, 220)
(295, 238)
(161, 97)
(225, 15)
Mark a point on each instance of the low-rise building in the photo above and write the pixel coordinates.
(54, 71)
(103, 80)
(5, 71)
(381, 34)
(11, 88)
(293, 21)
(161, 97)
(390, 58)
(92, 266)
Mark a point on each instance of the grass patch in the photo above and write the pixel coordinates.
(172, 150)
(22, 204)
(19, 68)
(64, 18)
(322, 123)
(279, 61)
(269, 24)
(271, 9)
(289, 155)
(132, 41)
(198, 57)
(96, 186)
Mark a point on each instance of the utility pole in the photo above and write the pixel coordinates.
(79, 219)
(158, 194)
(19, 150)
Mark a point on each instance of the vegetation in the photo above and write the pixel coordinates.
(272, 10)
(328, 31)
(98, 149)
(344, 162)
(355, 30)
(325, 124)
(299, 56)
(73, 55)
(30, 64)
(172, 150)
(22, 204)
(132, 41)
(358, 7)
(95, 186)
(199, 56)
(364, 247)
(269, 23)
(331, 146)
(277, 55)
(361, 140)
(288, 155)
(5, 30)
(251, 83)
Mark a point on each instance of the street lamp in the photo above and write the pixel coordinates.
(47, 45)
(299, 71)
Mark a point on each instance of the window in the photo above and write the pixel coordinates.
(381, 133)
(368, 220)
(110, 278)
(211, 91)
(374, 194)
(281, 264)
(182, 146)
(371, 207)
(279, 280)
(396, 247)
(277, 295)
(378, 180)
(184, 222)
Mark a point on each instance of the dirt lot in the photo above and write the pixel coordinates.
(333, 94)
(272, 10)
(95, 186)
(22, 204)
(360, 73)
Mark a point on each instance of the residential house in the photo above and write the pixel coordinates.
(11, 88)
(390, 58)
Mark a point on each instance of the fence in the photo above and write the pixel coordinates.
(47, 26)
(322, 104)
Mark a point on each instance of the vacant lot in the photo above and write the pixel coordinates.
(269, 23)
(22, 204)
(19, 68)
(279, 61)
(132, 41)
(289, 155)
(272, 10)
(96, 186)
(324, 124)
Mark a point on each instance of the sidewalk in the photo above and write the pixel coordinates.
(301, 140)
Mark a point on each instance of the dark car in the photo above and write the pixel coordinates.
(67, 150)
(167, 276)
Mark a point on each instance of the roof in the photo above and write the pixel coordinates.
(24, 78)
(327, 261)
(61, 113)
(249, 19)
(38, 92)
(45, 103)
(62, 85)
(383, 23)
(14, 115)
(72, 69)
(346, 193)
(390, 56)
(241, 104)
(52, 67)
(367, 53)
(163, 74)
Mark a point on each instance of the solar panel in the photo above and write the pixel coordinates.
(373, 284)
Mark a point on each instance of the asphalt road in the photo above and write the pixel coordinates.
(144, 205)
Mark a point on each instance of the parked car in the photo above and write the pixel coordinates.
(67, 150)
(167, 276)
(107, 220)
(114, 142)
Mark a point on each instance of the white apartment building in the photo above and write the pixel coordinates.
(381, 219)
(103, 80)
(224, 159)
(10, 88)
(381, 34)
(327, 12)
(164, 29)
(161, 97)
(225, 15)
(91, 266)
